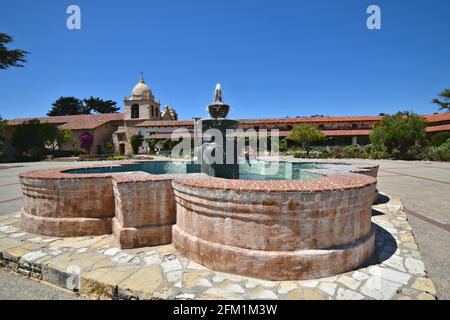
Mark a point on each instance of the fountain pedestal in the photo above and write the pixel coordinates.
(219, 148)
(216, 141)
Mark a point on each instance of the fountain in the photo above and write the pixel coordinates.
(219, 152)
(219, 213)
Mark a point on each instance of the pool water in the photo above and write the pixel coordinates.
(255, 170)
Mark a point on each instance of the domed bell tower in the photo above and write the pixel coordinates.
(141, 104)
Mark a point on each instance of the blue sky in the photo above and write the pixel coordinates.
(274, 58)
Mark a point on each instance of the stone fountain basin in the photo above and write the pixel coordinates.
(283, 229)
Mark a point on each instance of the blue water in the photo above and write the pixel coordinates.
(256, 170)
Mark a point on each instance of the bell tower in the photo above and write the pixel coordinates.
(141, 104)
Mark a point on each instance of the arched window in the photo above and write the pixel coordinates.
(135, 111)
(153, 111)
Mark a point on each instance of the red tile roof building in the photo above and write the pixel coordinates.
(142, 116)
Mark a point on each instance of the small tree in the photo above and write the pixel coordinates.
(136, 142)
(10, 58)
(63, 136)
(444, 101)
(49, 134)
(32, 137)
(86, 141)
(26, 136)
(100, 106)
(399, 132)
(306, 135)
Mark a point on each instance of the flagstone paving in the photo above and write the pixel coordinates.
(93, 267)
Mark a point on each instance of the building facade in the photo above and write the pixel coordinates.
(142, 116)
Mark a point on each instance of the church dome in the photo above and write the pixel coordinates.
(169, 114)
(141, 89)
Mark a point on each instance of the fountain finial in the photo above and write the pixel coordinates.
(218, 109)
(218, 94)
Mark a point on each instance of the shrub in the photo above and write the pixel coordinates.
(86, 140)
(35, 153)
(78, 152)
(353, 151)
(151, 145)
(282, 146)
(399, 133)
(439, 138)
(108, 148)
(136, 142)
(441, 153)
(117, 158)
(326, 153)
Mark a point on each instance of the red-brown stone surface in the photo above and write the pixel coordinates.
(256, 228)
(280, 229)
(145, 210)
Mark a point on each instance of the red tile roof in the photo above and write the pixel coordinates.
(432, 118)
(166, 123)
(76, 122)
(443, 127)
(335, 133)
(312, 119)
(79, 122)
(437, 117)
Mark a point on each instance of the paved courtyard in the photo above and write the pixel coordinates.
(424, 189)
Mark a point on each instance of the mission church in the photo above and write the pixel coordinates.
(143, 116)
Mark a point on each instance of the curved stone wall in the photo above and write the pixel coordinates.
(57, 204)
(278, 230)
(269, 229)
(137, 207)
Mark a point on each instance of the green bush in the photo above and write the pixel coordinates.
(151, 145)
(78, 152)
(108, 148)
(353, 151)
(136, 142)
(326, 153)
(441, 153)
(282, 146)
(399, 133)
(36, 153)
(372, 151)
(117, 158)
(439, 139)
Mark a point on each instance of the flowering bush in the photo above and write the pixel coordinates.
(86, 140)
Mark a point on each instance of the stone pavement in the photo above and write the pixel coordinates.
(424, 189)
(95, 268)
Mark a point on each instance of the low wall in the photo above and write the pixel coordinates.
(138, 208)
(57, 204)
(145, 210)
(277, 230)
(280, 229)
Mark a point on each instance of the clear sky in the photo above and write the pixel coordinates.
(274, 58)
